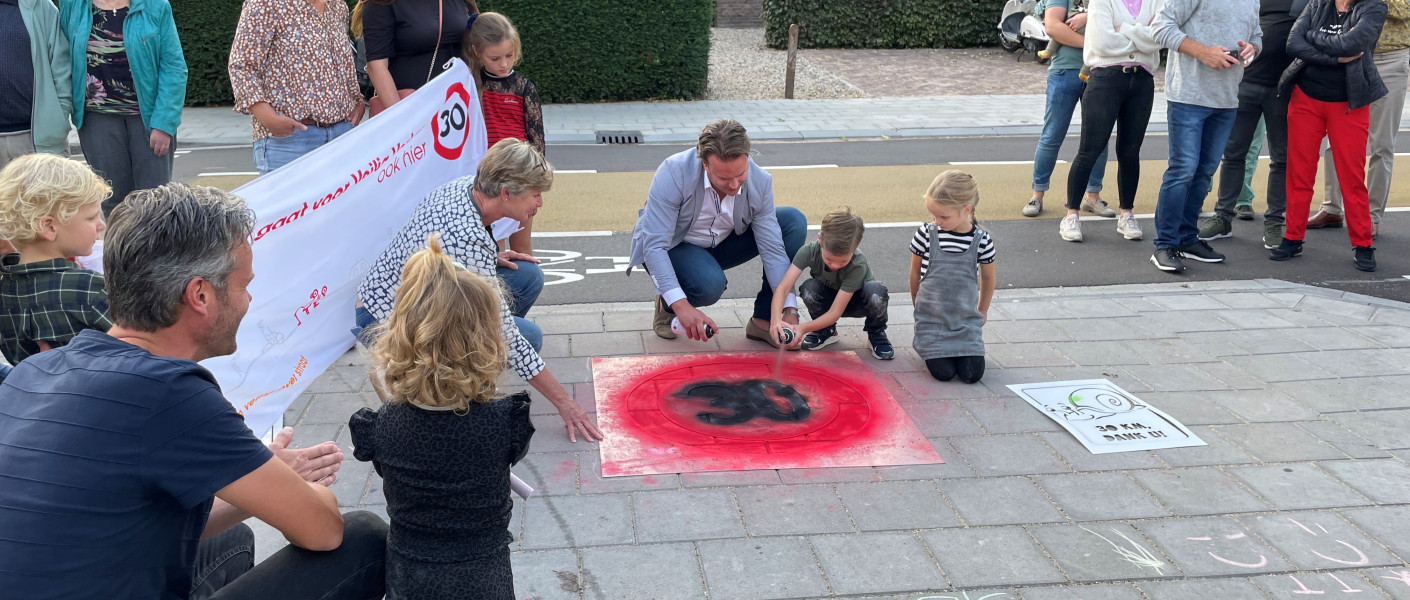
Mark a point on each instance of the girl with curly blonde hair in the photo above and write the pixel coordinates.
(444, 441)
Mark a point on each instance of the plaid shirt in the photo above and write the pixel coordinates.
(49, 301)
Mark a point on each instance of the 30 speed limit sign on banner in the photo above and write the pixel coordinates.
(322, 220)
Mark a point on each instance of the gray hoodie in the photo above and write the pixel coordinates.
(1212, 23)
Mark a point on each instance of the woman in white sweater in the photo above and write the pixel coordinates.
(1123, 56)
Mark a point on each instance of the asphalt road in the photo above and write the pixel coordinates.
(589, 269)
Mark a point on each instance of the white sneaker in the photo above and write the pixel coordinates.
(1127, 226)
(1033, 208)
(1070, 228)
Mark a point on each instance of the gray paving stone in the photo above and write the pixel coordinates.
(1341, 395)
(606, 344)
(591, 481)
(1108, 591)
(686, 515)
(1220, 343)
(1025, 355)
(1318, 540)
(1175, 378)
(1102, 552)
(1280, 367)
(1385, 481)
(978, 501)
(999, 455)
(1245, 300)
(1199, 491)
(1116, 375)
(335, 408)
(547, 575)
(1395, 581)
(658, 571)
(729, 478)
(925, 388)
(1261, 406)
(942, 418)
(1389, 525)
(1332, 338)
(897, 505)
(793, 509)
(352, 482)
(1189, 589)
(1254, 319)
(1101, 496)
(1219, 451)
(1232, 376)
(1337, 307)
(1385, 428)
(997, 378)
(1387, 335)
(1187, 302)
(1009, 414)
(1347, 442)
(569, 322)
(636, 320)
(1097, 308)
(557, 346)
(1296, 586)
(1190, 408)
(1169, 351)
(575, 369)
(953, 467)
(829, 475)
(1082, 459)
(761, 569)
(1028, 331)
(576, 521)
(1100, 330)
(871, 563)
(1300, 486)
(1279, 442)
(550, 474)
(1036, 310)
(1212, 546)
(990, 556)
(1099, 354)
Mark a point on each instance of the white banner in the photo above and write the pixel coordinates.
(322, 221)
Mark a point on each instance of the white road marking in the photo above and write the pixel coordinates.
(996, 162)
(230, 174)
(562, 234)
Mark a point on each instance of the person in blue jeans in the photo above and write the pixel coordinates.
(1064, 91)
(1210, 43)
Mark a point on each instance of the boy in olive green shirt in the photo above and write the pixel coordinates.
(841, 286)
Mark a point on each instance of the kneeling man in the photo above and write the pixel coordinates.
(710, 209)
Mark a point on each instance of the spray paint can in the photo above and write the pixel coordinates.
(785, 337)
(676, 327)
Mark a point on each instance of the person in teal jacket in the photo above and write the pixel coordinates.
(129, 84)
(47, 91)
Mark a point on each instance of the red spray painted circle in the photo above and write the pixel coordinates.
(836, 409)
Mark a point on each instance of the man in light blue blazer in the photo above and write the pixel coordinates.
(710, 209)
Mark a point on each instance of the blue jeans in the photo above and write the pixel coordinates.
(274, 152)
(1197, 138)
(523, 284)
(1064, 90)
(701, 271)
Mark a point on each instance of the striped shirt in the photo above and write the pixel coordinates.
(954, 243)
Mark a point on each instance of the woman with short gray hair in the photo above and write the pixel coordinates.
(509, 182)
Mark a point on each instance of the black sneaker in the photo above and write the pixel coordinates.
(1168, 260)
(1365, 258)
(1286, 249)
(818, 339)
(880, 346)
(1200, 251)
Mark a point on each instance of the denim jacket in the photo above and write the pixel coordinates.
(1362, 29)
(153, 54)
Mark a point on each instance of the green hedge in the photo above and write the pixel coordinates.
(883, 23)
(575, 51)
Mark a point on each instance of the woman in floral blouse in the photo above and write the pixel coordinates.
(127, 96)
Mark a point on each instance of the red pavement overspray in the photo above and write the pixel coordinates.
(727, 412)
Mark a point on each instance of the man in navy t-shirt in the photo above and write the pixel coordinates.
(119, 454)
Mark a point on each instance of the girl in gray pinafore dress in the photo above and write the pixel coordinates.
(952, 280)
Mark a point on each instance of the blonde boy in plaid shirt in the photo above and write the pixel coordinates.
(51, 210)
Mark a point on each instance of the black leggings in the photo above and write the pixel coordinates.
(969, 368)
(1114, 98)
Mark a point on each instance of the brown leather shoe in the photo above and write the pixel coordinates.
(1325, 220)
(661, 321)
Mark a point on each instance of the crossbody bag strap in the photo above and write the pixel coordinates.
(440, 26)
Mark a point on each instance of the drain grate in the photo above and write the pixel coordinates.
(618, 137)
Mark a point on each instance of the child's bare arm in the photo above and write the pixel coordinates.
(987, 279)
(915, 276)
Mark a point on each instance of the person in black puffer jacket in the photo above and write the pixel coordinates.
(1330, 85)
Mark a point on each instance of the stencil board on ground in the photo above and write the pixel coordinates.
(737, 412)
(1106, 418)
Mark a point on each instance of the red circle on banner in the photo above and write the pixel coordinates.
(661, 404)
(450, 126)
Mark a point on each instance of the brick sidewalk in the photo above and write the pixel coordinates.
(1303, 488)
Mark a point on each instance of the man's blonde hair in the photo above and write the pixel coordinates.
(515, 166)
(35, 186)
(442, 344)
(724, 138)
(841, 231)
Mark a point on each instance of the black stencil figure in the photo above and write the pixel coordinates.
(747, 399)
